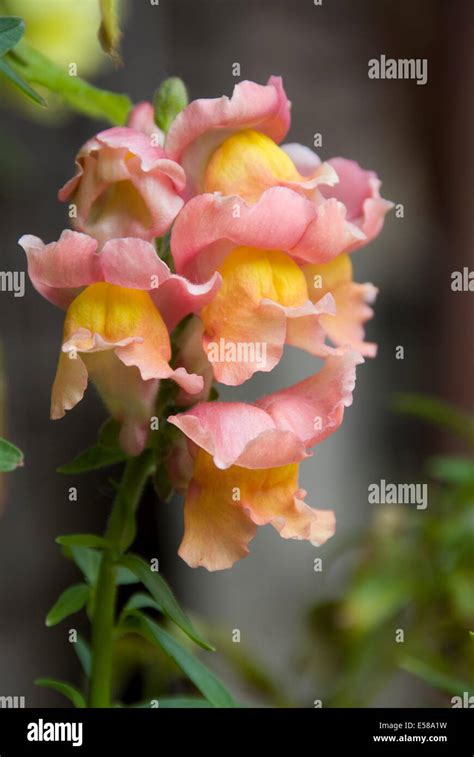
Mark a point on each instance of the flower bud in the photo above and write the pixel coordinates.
(169, 100)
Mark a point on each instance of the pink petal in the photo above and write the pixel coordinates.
(57, 270)
(204, 124)
(359, 189)
(328, 235)
(177, 297)
(60, 269)
(124, 186)
(69, 385)
(209, 226)
(238, 434)
(313, 408)
(132, 263)
(142, 118)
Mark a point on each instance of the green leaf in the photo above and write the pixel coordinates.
(79, 94)
(82, 540)
(18, 82)
(72, 600)
(202, 677)
(88, 561)
(435, 677)
(83, 651)
(12, 29)
(453, 470)
(163, 595)
(109, 434)
(10, 456)
(92, 459)
(109, 30)
(378, 595)
(68, 691)
(140, 601)
(169, 100)
(176, 702)
(125, 576)
(438, 412)
(105, 452)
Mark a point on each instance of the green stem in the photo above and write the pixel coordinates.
(79, 94)
(119, 534)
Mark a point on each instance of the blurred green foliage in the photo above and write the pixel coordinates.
(414, 572)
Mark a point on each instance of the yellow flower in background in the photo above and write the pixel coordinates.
(66, 31)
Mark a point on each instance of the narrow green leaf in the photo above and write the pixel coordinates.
(88, 562)
(165, 598)
(68, 691)
(92, 459)
(202, 677)
(105, 452)
(12, 29)
(125, 576)
(79, 94)
(176, 702)
(18, 82)
(437, 411)
(83, 651)
(82, 540)
(10, 456)
(72, 600)
(140, 601)
(434, 677)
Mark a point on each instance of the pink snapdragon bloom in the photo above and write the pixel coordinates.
(244, 462)
(205, 124)
(121, 304)
(230, 147)
(277, 224)
(125, 184)
(269, 297)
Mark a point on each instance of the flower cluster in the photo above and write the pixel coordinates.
(259, 254)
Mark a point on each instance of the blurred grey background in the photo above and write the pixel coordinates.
(417, 138)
